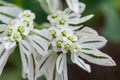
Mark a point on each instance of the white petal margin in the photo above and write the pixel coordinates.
(44, 33)
(13, 11)
(3, 28)
(65, 73)
(95, 41)
(86, 31)
(73, 5)
(6, 49)
(25, 52)
(40, 44)
(27, 59)
(95, 56)
(60, 63)
(46, 65)
(75, 59)
(51, 73)
(5, 19)
(26, 47)
(50, 6)
(81, 20)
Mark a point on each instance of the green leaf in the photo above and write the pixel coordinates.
(112, 24)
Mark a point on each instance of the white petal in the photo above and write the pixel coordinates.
(86, 31)
(75, 59)
(46, 64)
(97, 57)
(51, 71)
(81, 20)
(13, 11)
(94, 41)
(24, 64)
(5, 53)
(60, 63)
(3, 27)
(50, 6)
(26, 47)
(40, 44)
(81, 7)
(30, 68)
(65, 73)
(43, 33)
(73, 5)
(5, 19)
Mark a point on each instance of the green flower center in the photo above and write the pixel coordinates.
(21, 29)
(15, 37)
(59, 42)
(62, 21)
(54, 16)
(26, 22)
(9, 31)
(27, 15)
(64, 33)
(71, 39)
(53, 32)
(67, 47)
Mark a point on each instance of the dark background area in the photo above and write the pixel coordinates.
(106, 21)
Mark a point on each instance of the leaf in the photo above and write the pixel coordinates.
(112, 24)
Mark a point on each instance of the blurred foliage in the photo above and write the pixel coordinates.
(109, 9)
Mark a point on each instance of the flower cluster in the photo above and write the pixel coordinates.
(21, 26)
(46, 51)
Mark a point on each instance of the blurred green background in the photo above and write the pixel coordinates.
(106, 21)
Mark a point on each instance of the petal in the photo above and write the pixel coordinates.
(6, 49)
(25, 46)
(75, 59)
(73, 5)
(43, 34)
(24, 64)
(95, 41)
(65, 73)
(3, 28)
(10, 10)
(86, 31)
(5, 19)
(81, 7)
(50, 6)
(51, 73)
(40, 44)
(81, 20)
(97, 57)
(30, 67)
(27, 62)
(45, 64)
(60, 63)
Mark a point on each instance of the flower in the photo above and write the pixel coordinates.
(67, 17)
(65, 42)
(20, 31)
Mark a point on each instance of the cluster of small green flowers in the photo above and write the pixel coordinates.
(63, 39)
(21, 26)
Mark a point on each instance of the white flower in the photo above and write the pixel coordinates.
(84, 46)
(67, 17)
(27, 14)
(76, 6)
(50, 6)
(21, 31)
